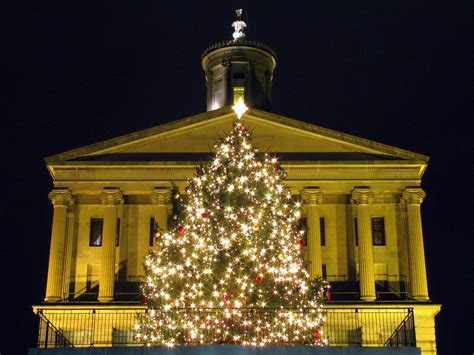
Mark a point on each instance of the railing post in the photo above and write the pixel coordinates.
(47, 331)
(93, 327)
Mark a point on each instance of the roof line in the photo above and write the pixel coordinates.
(224, 112)
(109, 143)
(345, 137)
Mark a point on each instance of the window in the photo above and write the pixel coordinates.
(238, 76)
(378, 231)
(95, 238)
(96, 230)
(322, 230)
(238, 92)
(324, 270)
(152, 231)
(356, 232)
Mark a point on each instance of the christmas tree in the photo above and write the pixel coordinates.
(232, 269)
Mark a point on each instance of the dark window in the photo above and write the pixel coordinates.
(152, 231)
(238, 76)
(95, 236)
(356, 232)
(96, 230)
(117, 235)
(322, 229)
(324, 271)
(378, 231)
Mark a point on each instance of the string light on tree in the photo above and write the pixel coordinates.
(231, 270)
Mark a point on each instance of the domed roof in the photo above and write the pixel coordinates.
(238, 43)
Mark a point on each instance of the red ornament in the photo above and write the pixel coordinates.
(258, 279)
(206, 216)
(226, 297)
(300, 243)
(328, 294)
(276, 167)
(181, 229)
(317, 334)
(145, 300)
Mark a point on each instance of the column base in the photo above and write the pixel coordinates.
(421, 298)
(368, 298)
(105, 299)
(52, 299)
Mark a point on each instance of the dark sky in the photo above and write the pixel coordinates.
(78, 72)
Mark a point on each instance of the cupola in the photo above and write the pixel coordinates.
(239, 68)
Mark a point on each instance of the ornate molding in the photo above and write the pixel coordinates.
(312, 196)
(160, 196)
(362, 196)
(413, 196)
(111, 197)
(60, 197)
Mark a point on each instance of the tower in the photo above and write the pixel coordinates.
(239, 67)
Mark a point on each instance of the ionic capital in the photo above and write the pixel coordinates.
(60, 197)
(413, 195)
(160, 196)
(312, 196)
(362, 196)
(111, 197)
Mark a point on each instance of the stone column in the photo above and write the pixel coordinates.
(227, 83)
(313, 198)
(250, 97)
(159, 198)
(210, 88)
(362, 197)
(110, 199)
(68, 254)
(416, 254)
(60, 200)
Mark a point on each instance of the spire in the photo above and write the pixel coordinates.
(239, 26)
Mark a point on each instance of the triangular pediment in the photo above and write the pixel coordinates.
(193, 138)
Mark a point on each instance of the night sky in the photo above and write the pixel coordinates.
(76, 73)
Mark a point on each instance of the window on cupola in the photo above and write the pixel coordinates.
(239, 91)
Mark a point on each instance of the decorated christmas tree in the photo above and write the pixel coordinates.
(231, 270)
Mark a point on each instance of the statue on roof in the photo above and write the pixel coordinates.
(239, 26)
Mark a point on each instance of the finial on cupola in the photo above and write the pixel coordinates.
(239, 26)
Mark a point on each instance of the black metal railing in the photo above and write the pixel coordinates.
(49, 336)
(404, 335)
(106, 326)
(365, 326)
